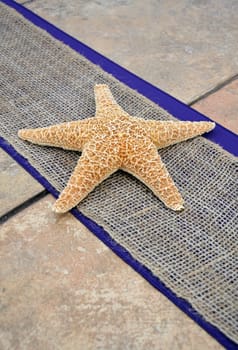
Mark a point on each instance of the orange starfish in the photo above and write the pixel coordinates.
(115, 140)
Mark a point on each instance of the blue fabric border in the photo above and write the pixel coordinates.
(220, 135)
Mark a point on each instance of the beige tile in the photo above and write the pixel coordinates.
(61, 288)
(222, 106)
(16, 185)
(184, 47)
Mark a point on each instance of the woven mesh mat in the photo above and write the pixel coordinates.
(194, 252)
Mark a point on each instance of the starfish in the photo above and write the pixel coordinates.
(113, 140)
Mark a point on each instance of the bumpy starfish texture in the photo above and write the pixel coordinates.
(115, 140)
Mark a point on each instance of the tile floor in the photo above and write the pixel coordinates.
(61, 287)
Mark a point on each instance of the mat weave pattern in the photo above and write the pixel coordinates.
(194, 252)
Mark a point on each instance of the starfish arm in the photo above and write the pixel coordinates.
(71, 135)
(106, 106)
(166, 133)
(149, 169)
(98, 162)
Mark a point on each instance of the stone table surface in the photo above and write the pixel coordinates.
(16, 185)
(222, 106)
(61, 287)
(185, 47)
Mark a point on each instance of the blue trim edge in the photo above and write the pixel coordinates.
(220, 135)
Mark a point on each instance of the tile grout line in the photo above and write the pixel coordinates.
(23, 206)
(27, 2)
(216, 88)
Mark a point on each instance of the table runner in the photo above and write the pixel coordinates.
(190, 256)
